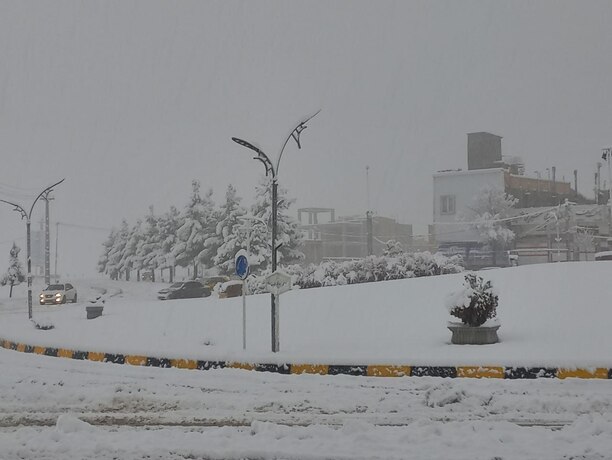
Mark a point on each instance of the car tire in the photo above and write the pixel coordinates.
(64, 299)
(75, 299)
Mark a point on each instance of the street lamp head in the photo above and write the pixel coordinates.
(248, 145)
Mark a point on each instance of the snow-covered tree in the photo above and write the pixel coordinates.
(14, 274)
(115, 266)
(212, 241)
(486, 215)
(288, 232)
(131, 260)
(230, 230)
(193, 233)
(393, 248)
(169, 224)
(103, 261)
(149, 246)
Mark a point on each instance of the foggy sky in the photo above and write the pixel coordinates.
(130, 101)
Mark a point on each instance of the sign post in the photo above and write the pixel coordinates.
(241, 262)
(277, 283)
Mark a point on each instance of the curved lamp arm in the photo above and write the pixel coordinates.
(295, 134)
(48, 189)
(23, 212)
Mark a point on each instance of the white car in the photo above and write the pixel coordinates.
(58, 293)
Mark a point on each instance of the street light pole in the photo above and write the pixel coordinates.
(607, 154)
(28, 217)
(272, 169)
(47, 198)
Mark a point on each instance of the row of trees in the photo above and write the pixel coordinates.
(203, 235)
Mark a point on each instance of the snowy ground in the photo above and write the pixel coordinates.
(550, 315)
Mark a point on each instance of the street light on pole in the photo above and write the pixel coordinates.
(607, 155)
(28, 217)
(272, 170)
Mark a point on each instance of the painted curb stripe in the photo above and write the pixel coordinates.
(79, 355)
(206, 365)
(276, 368)
(63, 353)
(498, 372)
(184, 363)
(95, 356)
(434, 371)
(599, 373)
(320, 369)
(530, 372)
(388, 371)
(347, 370)
(135, 360)
(480, 372)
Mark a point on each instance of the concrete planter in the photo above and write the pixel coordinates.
(93, 311)
(468, 335)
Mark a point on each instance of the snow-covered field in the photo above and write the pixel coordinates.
(550, 315)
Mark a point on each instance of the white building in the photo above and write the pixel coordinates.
(537, 237)
(453, 193)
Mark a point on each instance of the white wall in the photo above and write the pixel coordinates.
(463, 185)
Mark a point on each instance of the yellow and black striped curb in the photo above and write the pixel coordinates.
(493, 372)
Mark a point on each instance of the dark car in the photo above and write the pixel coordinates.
(184, 290)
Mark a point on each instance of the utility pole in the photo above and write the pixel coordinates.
(47, 198)
(369, 226)
(598, 180)
(56, 238)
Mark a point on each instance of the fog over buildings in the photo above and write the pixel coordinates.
(131, 100)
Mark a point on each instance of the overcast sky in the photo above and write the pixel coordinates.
(130, 101)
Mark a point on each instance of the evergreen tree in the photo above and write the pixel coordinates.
(209, 227)
(131, 260)
(149, 246)
(228, 231)
(115, 266)
(288, 232)
(104, 265)
(14, 274)
(191, 235)
(169, 224)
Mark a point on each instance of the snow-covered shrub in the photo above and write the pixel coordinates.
(475, 302)
(369, 269)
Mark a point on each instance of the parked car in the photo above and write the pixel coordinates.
(184, 290)
(55, 294)
(231, 288)
(212, 281)
(603, 255)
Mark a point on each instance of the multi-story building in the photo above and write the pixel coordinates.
(454, 191)
(349, 237)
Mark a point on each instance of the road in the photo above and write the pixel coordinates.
(52, 406)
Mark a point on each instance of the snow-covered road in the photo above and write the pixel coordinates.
(55, 408)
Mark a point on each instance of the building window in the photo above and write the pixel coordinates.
(447, 204)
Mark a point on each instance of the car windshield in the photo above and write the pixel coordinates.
(176, 285)
(55, 287)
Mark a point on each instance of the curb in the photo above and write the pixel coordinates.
(492, 372)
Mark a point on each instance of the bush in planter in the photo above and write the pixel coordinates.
(475, 303)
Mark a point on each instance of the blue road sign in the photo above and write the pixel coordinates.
(242, 266)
